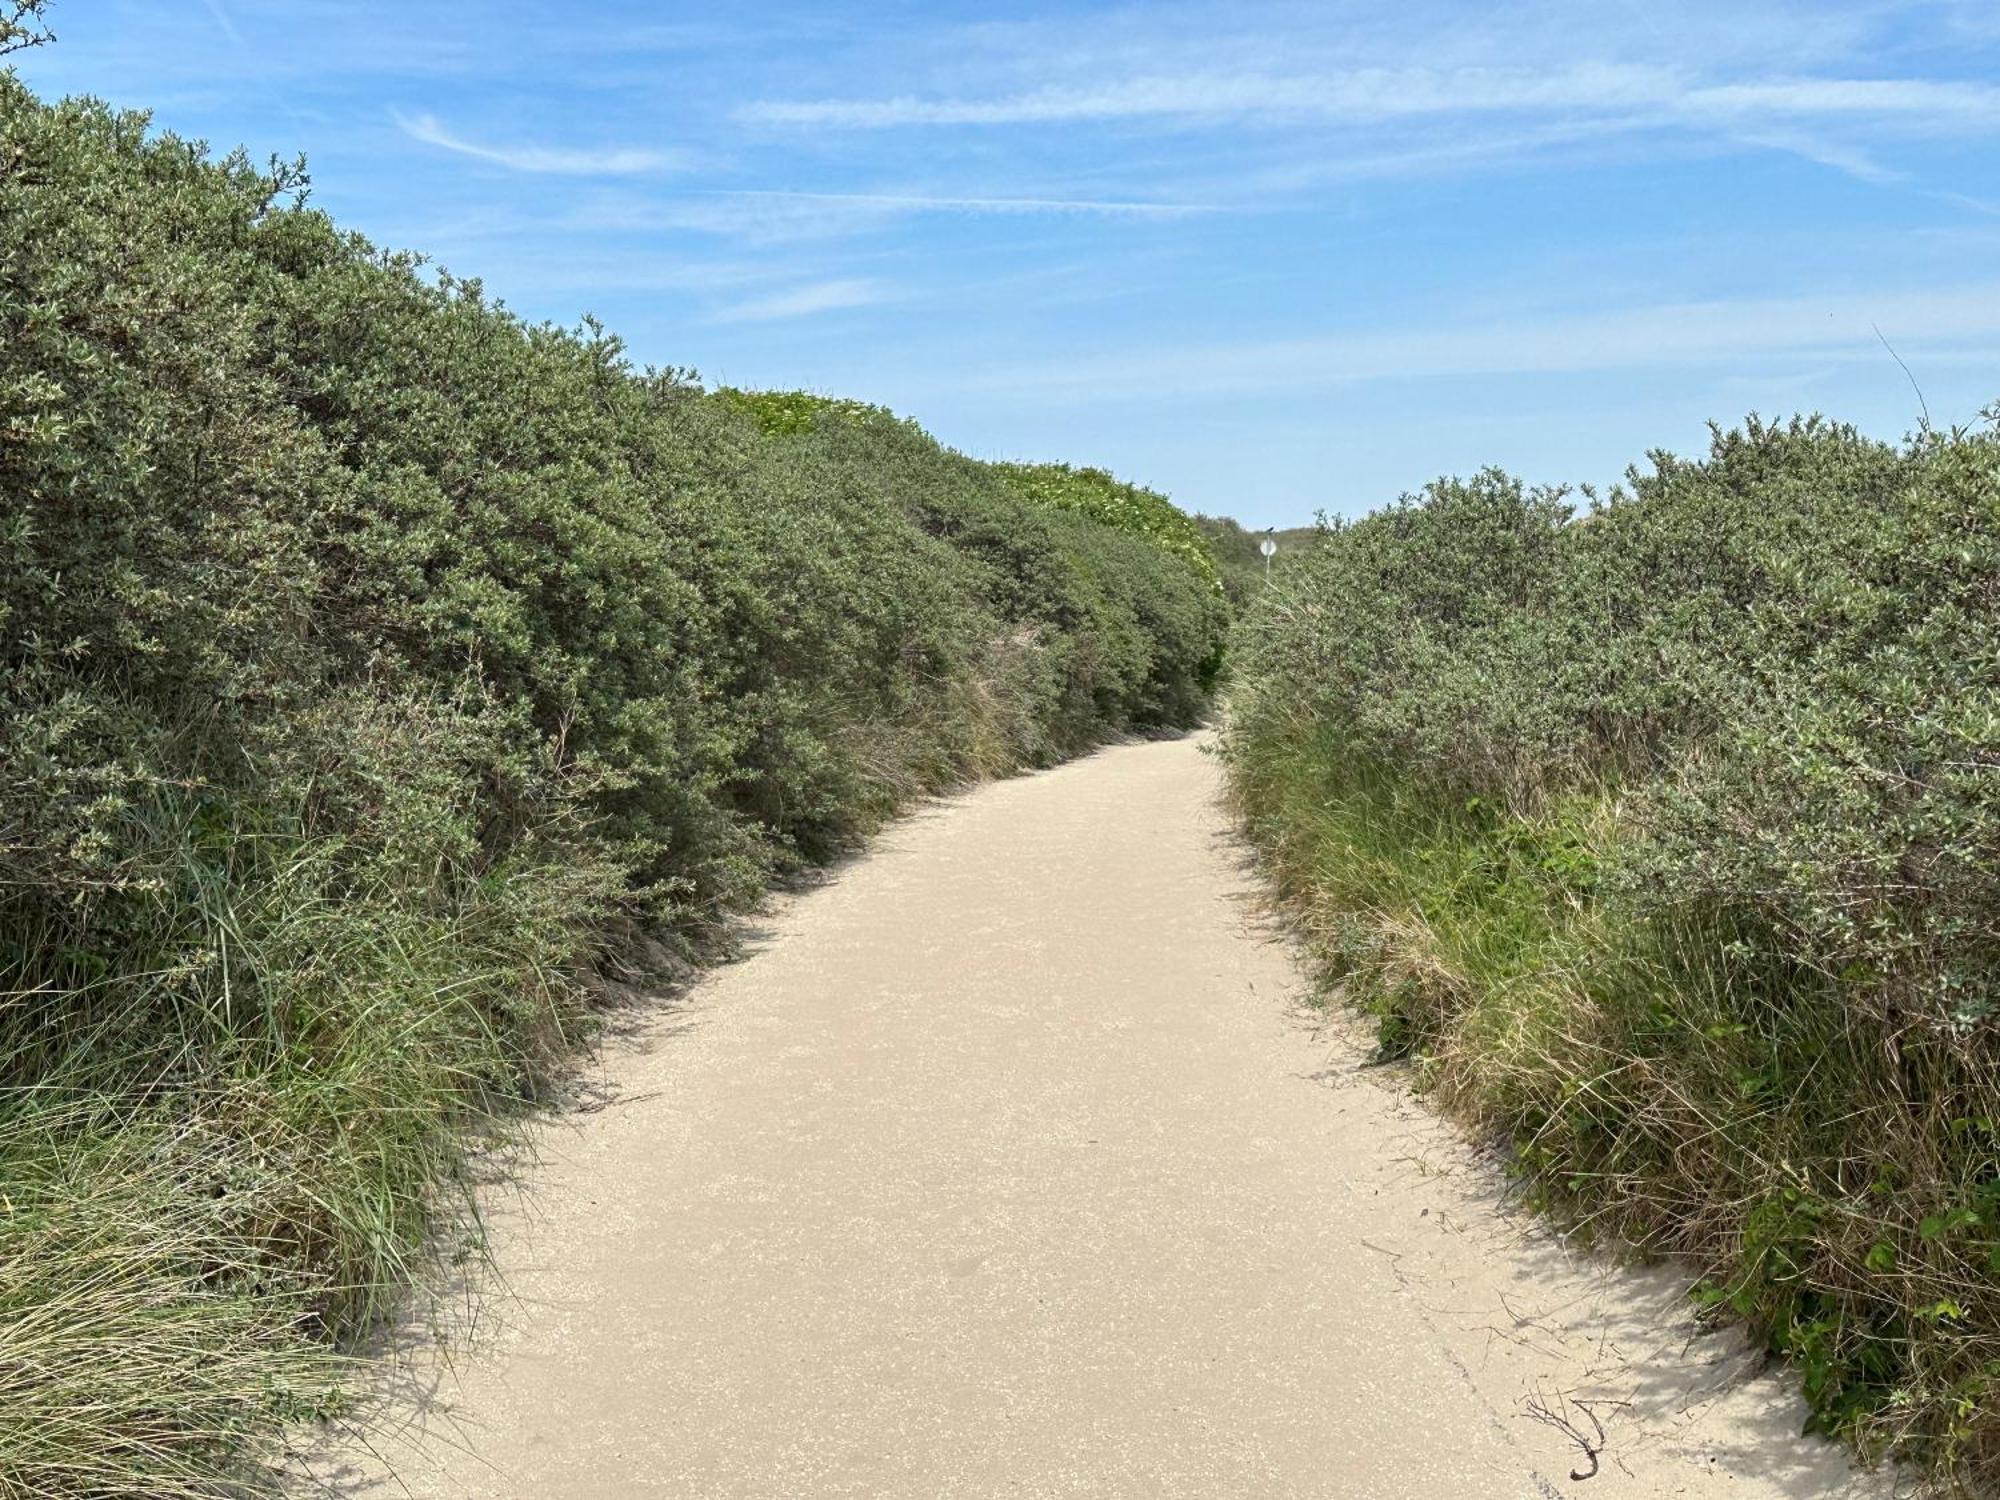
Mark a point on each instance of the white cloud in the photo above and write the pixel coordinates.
(226, 24)
(803, 301)
(1381, 96)
(1856, 164)
(926, 203)
(1949, 321)
(610, 161)
(1822, 98)
(1450, 152)
(779, 217)
(1368, 95)
(1349, 123)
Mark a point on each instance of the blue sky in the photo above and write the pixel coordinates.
(1270, 258)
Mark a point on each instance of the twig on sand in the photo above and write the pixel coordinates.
(1558, 1417)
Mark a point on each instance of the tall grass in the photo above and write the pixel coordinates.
(222, 1165)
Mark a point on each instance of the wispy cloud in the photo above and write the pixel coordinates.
(226, 24)
(781, 217)
(1807, 98)
(1855, 163)
(927, 203)
(804, 301)
(1361, 95)
(1949, 321)
(1451, 152)
(1375, 96)
(608, 161)
(1356, 123)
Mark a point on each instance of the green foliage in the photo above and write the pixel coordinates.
(788, 413)
(23, 25)
(1664, 839)
(1239, 562)
(371, 665)
(1151, 646)
(1107, 499)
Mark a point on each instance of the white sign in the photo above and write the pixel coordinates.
(1267, 546)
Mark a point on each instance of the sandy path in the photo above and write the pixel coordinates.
(1004, 1167)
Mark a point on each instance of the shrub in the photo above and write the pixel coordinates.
(1128, 507)
(1664, 839)
(1239, 559)
(374, 665)
(1134, 628)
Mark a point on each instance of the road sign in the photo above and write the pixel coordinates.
(1267, 547)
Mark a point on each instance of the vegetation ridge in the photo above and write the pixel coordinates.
(380, 677)
(1667, 847)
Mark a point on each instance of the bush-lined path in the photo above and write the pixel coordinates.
(1005, 1165)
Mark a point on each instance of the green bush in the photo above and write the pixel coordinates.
(1665, 839)
(1128, 507)
(374, 669)
(1133, 622)
(1239, 558)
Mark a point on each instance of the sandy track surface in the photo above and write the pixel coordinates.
(1006, 1165)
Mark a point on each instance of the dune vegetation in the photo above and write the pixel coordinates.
(1239, 558)
(389, 685)
(1664, 839)
(384, 680)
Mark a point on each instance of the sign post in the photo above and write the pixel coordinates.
(1268, 547)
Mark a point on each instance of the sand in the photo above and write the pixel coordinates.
(1009, 1163)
